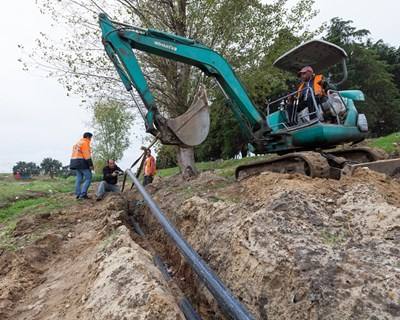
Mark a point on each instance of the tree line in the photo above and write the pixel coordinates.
(48, 166)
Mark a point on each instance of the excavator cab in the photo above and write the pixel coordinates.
(325, 121)
(320, 55)
(306, 137)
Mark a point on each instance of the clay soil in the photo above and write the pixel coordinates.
(288, 246)
(84, 265)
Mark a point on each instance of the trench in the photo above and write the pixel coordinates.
(228, 303)
(185, 285)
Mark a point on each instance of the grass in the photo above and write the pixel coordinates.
(33, 206)
(387, 143)
(224, 168)
(11, 190)
(36, 196)
(332, 238)
(10, 215)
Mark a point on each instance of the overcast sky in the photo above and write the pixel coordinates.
(38, 120)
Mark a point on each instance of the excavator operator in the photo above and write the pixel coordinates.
(303, 98)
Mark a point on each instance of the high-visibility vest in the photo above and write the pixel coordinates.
(150, 166)
(81, 157)
(317, 86)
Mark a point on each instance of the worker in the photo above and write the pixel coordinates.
(110, 179)
(81, 162)
(149, 168)
(309, 81)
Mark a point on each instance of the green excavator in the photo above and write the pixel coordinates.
(306, 143)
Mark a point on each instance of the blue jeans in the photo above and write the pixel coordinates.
(106, 187)
(83, 176)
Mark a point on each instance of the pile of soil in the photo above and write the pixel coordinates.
(288, 246)
(84, 265)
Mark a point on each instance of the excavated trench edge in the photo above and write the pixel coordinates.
(183, 302)
(228, 303)
(171, 263)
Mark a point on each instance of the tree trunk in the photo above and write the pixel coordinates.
(186, 162)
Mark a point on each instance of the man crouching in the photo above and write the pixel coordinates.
(110, 179)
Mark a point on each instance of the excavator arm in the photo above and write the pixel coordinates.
(119, 40)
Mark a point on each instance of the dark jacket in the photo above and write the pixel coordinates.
(107, 174)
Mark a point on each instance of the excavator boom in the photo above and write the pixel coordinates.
(119, 42)
(329, 123)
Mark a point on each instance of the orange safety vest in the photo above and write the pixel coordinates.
(317, 86)
(150, 166)
(82, 150)
(81, 157)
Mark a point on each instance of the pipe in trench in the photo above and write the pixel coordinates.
(184, 304)
(228, 303)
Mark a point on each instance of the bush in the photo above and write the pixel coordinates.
(26, 169)
(166, 157)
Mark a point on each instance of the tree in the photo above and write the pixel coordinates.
(391, 56)
(166, 156)
(66, 172)
(112, 122)
(26, 169)
(51, 167)
(241, 30)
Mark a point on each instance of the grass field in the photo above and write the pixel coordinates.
(11, 190)
(36, 196)
(387, 143)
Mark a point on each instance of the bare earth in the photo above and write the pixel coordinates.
(288, 246)
(85, 267)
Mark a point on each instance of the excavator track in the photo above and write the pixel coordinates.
(360, 154)
(364, 157)
(333, 164)
(309, 163)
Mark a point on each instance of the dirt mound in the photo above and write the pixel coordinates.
(84, 265)
(288, 246)
(291, 247)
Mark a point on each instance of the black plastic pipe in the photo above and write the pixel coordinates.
(187, 309)
(184, 303)
(228, 303)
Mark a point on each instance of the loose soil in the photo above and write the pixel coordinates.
(84, 266)
(288, 246)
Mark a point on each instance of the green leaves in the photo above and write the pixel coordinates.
(51, 166)
(112, 122)
(374, 69)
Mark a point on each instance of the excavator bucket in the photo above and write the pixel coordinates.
(192, 127)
